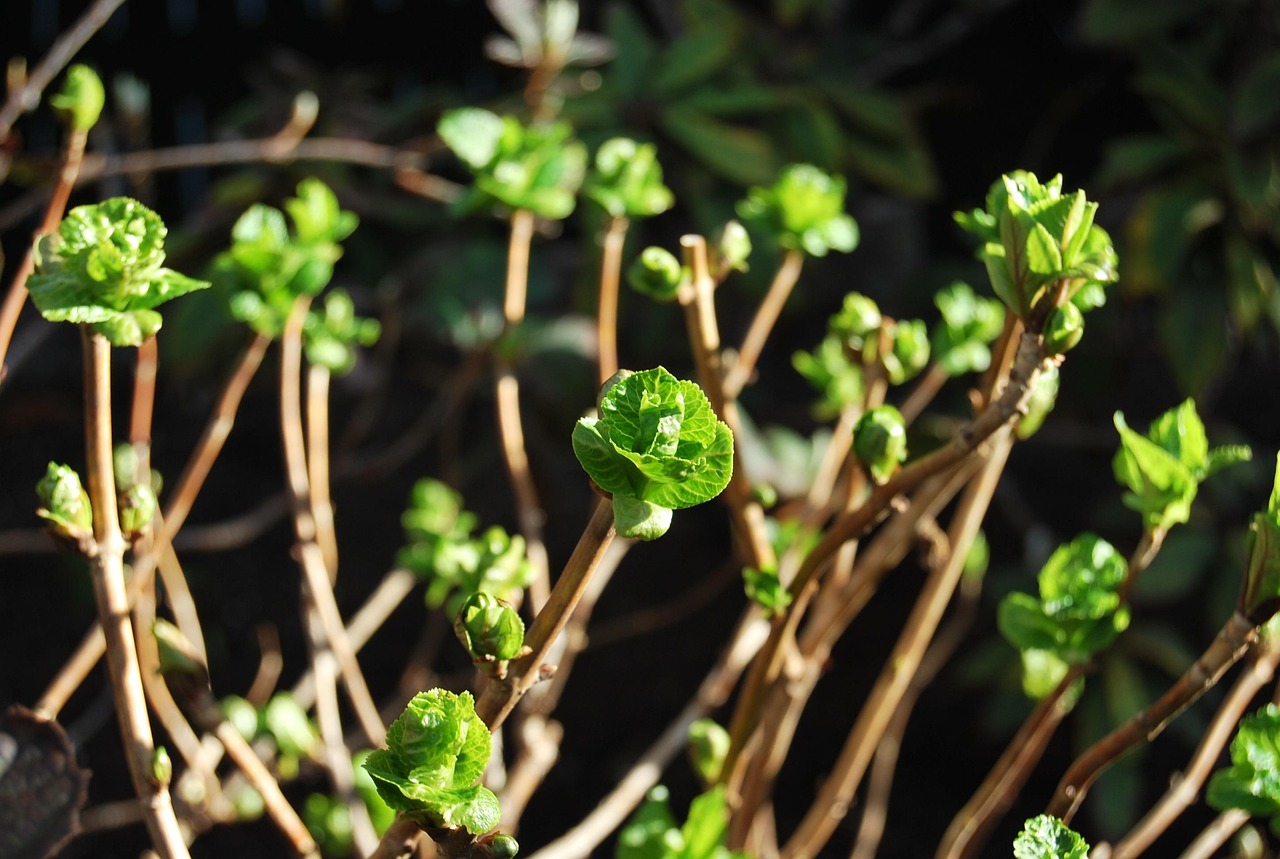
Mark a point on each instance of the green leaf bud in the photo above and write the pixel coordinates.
(734, 246)
(765, 589)
(627, 181)
(503, 847)
(1046, 837)
(161, 767)
(765, 495)
(490, 629)
(708, 747)
(126, 464)
(288, 724)
(880, 442)
(803, 210)
(81, 98)
(640, 520)
(858, 322)
(64, 503)
(242, 716)
(137, 506)
(247, 804)
(656, 273)
(909, 352)
(1063, 329)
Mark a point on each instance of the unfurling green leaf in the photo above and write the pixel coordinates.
(490, 629)
(81, 98)
(1079, 611)
(803, 210)
(708, 746)
(436, 750)
(652, 833)
(765, 589)
(656, 447)
(880, 442)
(331, 336)
(830, 369)
(1063, 329)
(1163, 469)
(656, 273)
(1252, 782)
(857, 322)
(104, 267)
(64, 503)
(1046, 837)
(908, 353)
(1260, 593)
(627, 181)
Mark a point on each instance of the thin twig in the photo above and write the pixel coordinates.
(784, 280)
(923, 393)
(1185, 786)
(1230, 644)
(106, 567)
(615, 236)
(1216, 834)
(318, 465)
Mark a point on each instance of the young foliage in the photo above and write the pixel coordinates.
(969, 324)
(1252, 782)
(1034, 235)
(81, 98)
(64, 503)
(440, 548)
(908, 351)
(535, 167)
(652, 833)
(268, 266)
(104, 267)
(708, 746)
(657, 274)
(1078, 613)
(490, 630)
(627, 180)
(332, 334)
(656, 447)
(1046, 837)
(1260, 594)
(880, 442)
(436, 750)
(803, 210)
(765, 589)
(833, 372)
(1163, 469)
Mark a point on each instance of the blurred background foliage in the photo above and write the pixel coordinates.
(1166, 111)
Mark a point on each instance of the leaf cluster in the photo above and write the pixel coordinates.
(765, 589)
(652, 832)
(960, 344)
(537, 167)
(656, 447)
(491, 631)
(269, 265)
(1046, 837)
(1079, 611)
(331, 335)
(1163, 468)
(104, 267)
(627, 180)
(441, 547)
(1252, 782)
(803, 210)
(1035, 236)
(436, 751)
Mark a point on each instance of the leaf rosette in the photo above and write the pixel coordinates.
(627, 180)
(436, 751)
(804, 209)
(104, 266)
(1046, 837)
(656, 447)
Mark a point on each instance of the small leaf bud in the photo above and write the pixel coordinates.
(656, 273)
(734, 246)
(503, 847)
(161, 767)
(859, 318)
(489, 628)
(64, 502)
(137, 509)
(81, 98)
(1063, 329)
(1040, 403)
(880, 441)
(708, 746)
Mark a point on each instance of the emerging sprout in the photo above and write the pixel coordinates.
(656, 273)
(969, 323)
(332, 335)
(652, 833)
(534, 167)
(1163, 469)
(708, 747)
(81, 98)
(1063, 329)
(880, 442)
(765, 589)
(104, 267)
(1252, 782)
(803, 210)
(627, 181)
(734, 246)
(436, 750)
(656, 447)
(1046, 837)
(64, 503)
(857, 322)
(830, 369)
(908, 353)
(490, 630)
(161, 767)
